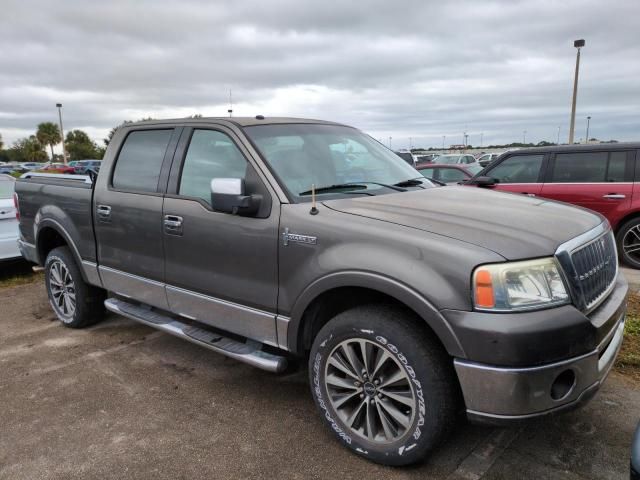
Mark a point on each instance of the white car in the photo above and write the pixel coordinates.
(454, 159)
(8, 221)
(487, 158)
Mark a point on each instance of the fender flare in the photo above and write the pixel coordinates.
(59, 228)
(373, 281)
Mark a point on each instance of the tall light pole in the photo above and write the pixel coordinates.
(578, 44)
(524, 136)
(389, 143)
(444, 137)
(558, 142)
(64, 149)
(586, 138)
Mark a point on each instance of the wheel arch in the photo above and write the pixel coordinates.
(51, 234)
(330, 295)
(629, 216)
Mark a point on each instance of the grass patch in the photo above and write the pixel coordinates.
(628, 362)
(18, 273)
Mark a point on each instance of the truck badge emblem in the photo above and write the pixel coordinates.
(294, 237)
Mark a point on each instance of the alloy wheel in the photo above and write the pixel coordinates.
(370, 390)
(631, 243)
(63, 290)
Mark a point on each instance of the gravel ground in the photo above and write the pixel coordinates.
(120, 400)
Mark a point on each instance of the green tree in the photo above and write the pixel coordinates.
(28, 149)
(48, 133)
(80, 146)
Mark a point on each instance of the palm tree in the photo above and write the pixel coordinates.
(49, 134)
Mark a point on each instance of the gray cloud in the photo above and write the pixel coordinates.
(400, 69)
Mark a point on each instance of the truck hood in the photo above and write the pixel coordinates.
(511, 225)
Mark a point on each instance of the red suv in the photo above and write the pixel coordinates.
(603, 177)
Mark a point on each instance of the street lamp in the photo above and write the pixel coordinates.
(443, 139)
(587, 136)
(524, 136)
(389, 143)
(577, 44)
(64, 149)
(558, 142)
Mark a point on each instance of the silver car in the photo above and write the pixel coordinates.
(8, 220)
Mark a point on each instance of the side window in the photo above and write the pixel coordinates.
(211, 154)
(580, 167)
(617, 166)
(428, 172)
(140, 159)
(518, 169)
(450, 175)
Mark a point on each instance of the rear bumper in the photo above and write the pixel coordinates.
(28, 251)
(504, 394)
(9, 248)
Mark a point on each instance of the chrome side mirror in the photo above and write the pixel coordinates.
(228, 196)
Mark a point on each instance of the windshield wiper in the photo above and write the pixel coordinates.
(412, 182)
(351, 186)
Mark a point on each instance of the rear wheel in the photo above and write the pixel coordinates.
(628, 240)
(384, 388)
(76, 303)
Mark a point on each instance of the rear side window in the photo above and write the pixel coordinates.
(211, 154)
(428, 172)
(138, 165)
(449, 175)
(589, 167)
(518, 169)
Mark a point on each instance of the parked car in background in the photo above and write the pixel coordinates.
(8, 221)
(81, 167)
(408, 302)
(426, 157)
(407, 157)
(454, 158)
(7, 169)
(604, 178)
(487, 158)
(57, 168)
(32, 165)
(450, 174)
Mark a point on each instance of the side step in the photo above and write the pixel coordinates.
(247, 352)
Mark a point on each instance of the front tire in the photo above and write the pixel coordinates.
(628, 240)
(385, 389)
(76, 303)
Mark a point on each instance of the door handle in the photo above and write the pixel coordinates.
(529, 194)
(104, 212)
(615, 196)
(173, 224)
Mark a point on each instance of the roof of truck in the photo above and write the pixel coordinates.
(239, 121)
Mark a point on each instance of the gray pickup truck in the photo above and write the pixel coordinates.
(279, 240)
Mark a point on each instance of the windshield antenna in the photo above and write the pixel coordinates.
(314, 210)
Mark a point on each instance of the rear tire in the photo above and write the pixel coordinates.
(628, 242)
(384, 387)
(76, 303)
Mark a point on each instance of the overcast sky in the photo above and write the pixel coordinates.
(419, 69)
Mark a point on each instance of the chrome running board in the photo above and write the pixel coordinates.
(248, 352)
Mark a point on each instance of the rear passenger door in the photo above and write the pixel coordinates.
(519, 174)
(128, 215)
(598, 180)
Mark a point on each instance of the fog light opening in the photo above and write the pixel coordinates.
(563, 385)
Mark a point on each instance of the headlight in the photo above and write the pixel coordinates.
(519, 285)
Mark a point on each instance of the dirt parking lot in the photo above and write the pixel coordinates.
(120, 400)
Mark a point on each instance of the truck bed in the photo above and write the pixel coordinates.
(62, 199)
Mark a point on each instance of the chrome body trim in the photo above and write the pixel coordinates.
(232, 317)
(56, 176)
(90, 270)
(127, 285)
(244, 352)
(519, 393)
(282, 331)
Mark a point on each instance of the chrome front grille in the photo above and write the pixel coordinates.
(591, 265)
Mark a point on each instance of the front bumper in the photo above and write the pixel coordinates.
(496, 393)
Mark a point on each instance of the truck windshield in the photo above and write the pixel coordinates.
(302, 155)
